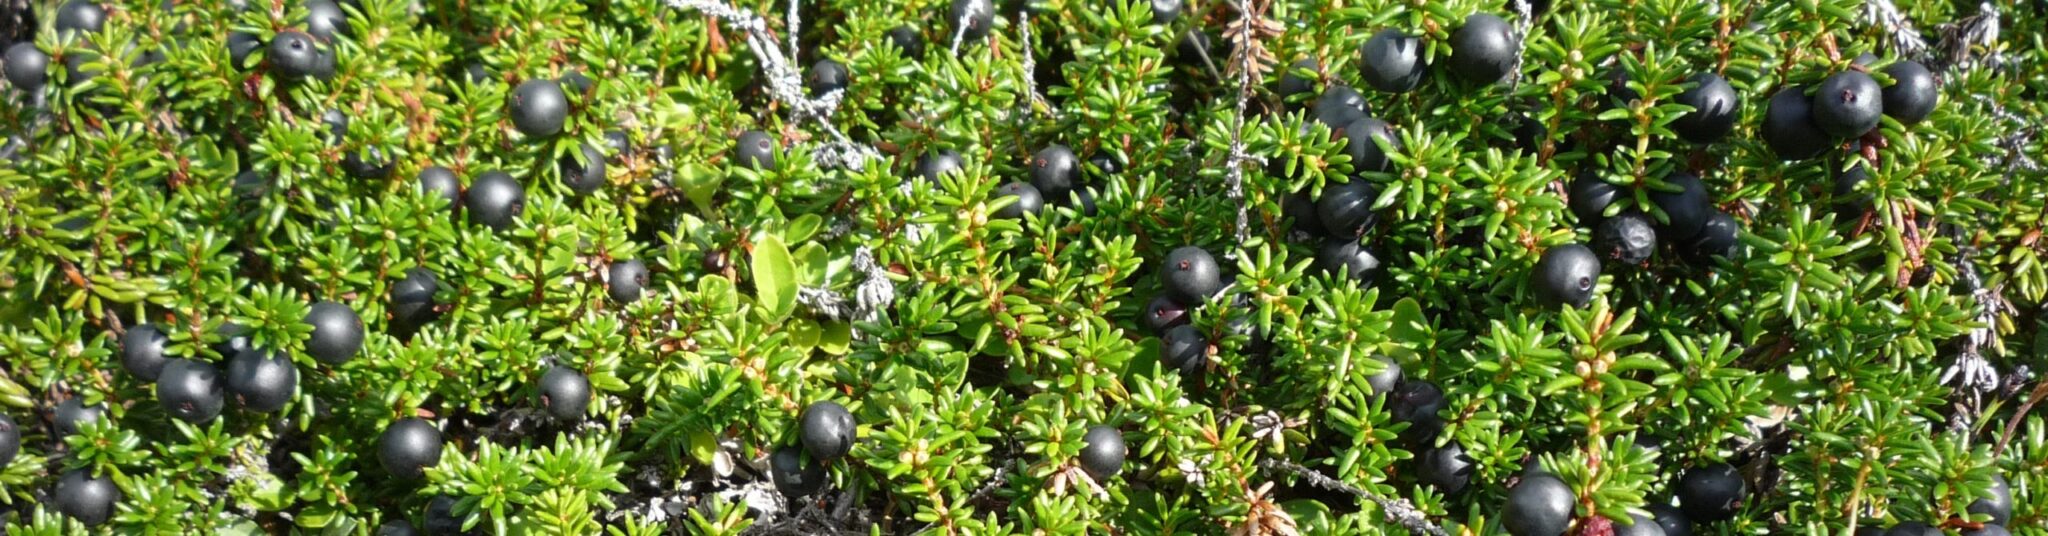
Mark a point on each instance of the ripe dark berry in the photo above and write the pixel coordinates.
(1618, 88)
(538, 107)
(27, 67)
(1639, 525)
(1913, 93)
(1711, 493)
(1339, 106)
(10, 440)
(408, 447)
(586, 176)
(1846, 197)
(1164, 313)
(1084, 198)
(1165, 11)
(1998, 505)
(293, 55)
(80, 15)
(627, 279)
(85, 498)
(337, 333)
(1346, 258)
(1627, 237)
(618, 142)
(826, 76)
(1484, 49)
(234, 338)
(1788, 126)
(324, 19)
(977, 17)
(366, 163)
(1686, 210)
(794, 475)
(1299, 79)
(1191, 274)
(1028, 200)
(142, 352)
(1716, 239)
(191, 390)
(441, 182)
(337, 125)
(412, 298)
(827, 430)
(575, 82)
(1345, 209)
(496, 199)
(1054, 171)
(1913, 528)
(1445, 468)
(1102, 451)
(1714, 106)
(1848, 104)
(72, 414)
(1420, 404)
(1566, 275)
(1363, 140)
(441, 519)
(1183, 348)
(1989, 529)
(1540, 505)
(1299, 208)
(1387, 379)
(397, 527)
(754, 150)
(908, 41)
(1590, 196)
(1392, 61)
(565, 393)
(1529, 132)
(1671, 519)
(262, 381)
(933, 165)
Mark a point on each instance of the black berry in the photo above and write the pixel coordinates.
(1191, 274)
(576, 82)
(1102, 451)
(1339, 106)
(1590, 196)
(397, 527)
(754, 150)
(1618, 88)
(240, 46)
(27, 67)
(1670, 518)
(1566, 275)
(80, 15)
(496, 199)
(937, 164)
(1299, 208)
(324, 19)
(72, 414)
(587, 175)
(440, 182)
(293, 55)
(441, 519)
(1714, 106)
(234, 338)
(1711, 493)
(1028, 200)
(977, 17)
(1363, 140)
(85, 498)
(191, 390)
(1084, 198)
(408, 447)
(1989, 529)
(1387, 379)
(1541, 505)
(1183, 348)
(337, 125)
(1445, 468)
(1529, 132)
(1639, 525)
(627, 279)
(1848, 104)
(793, 474)
(908, 41)
(618, 142)
(10, 440)
(1484, 49)
(565, 393)
(1299, 79)
(827, 430)
(1346, 258)
(1420, 404)
(1392, 61)
(262, 381)
(1716, 239)
(412, 298)
(1846, 196)
(538, 107)
(1627, 237)
(1345, 209)
(1788, 126)
(1998, 505)
(1164, 313)
(142, 352)
(1685, 210)
(826, 76)
(1913, 93)
(1054, 171)
(337, 332)
(1165, 11)
(368, 163)
(1913, 528)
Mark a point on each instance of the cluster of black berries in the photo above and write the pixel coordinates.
(826, 431)
(1997, 508)
(1847, 105)
(1191, 277)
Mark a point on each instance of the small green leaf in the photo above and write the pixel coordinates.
(774, 278)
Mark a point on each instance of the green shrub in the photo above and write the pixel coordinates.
(621, 323)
